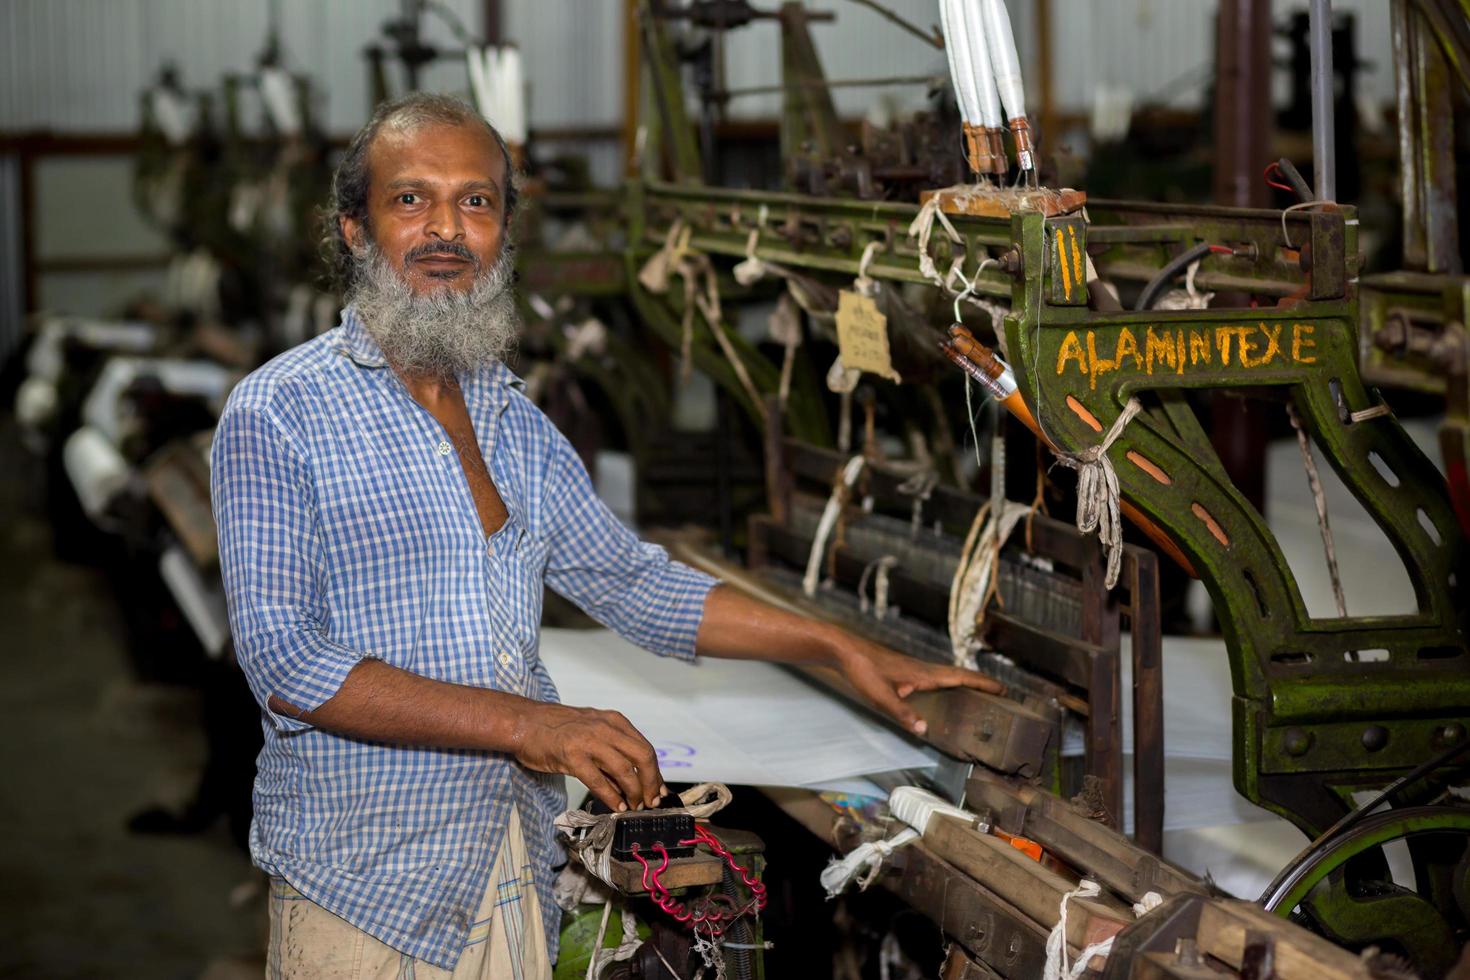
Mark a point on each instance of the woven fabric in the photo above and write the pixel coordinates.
(347, 531)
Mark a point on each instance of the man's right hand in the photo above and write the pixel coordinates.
(389, 704)
(601, 748)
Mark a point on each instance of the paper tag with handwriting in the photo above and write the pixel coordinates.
(862, 335)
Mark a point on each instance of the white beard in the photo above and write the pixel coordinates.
(441, 333)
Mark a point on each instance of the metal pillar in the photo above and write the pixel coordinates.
(1425, 103)
(1324, 130)
(1242, 150)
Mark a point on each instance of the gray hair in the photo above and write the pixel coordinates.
(351, 181)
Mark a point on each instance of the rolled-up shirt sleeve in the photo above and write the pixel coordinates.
(271, 559)
(630, 586)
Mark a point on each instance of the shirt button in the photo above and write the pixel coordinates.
(505, 660)
(444, 449)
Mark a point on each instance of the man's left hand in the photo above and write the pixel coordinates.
(885, 678)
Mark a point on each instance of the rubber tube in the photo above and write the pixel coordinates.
(961, 71)
(1004, 62)
(988, 99)
(1166, 275)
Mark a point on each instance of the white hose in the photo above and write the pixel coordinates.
(961, 69)
(1004, 61)
(980, 57)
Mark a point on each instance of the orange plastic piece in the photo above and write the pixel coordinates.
(1025, 845)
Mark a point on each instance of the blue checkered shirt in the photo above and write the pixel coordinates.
(347, 531)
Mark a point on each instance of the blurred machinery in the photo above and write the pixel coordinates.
(930, 251)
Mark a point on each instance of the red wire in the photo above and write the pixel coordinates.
(1222, 250)
(707, 914)
(1274, 167)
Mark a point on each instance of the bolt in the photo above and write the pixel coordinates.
(1393, 335)
(1011, 262)
(1013, 949)
(1448, 735)
(1375, 737)
(1297, 741)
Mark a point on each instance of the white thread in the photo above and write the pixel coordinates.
(1377, 411)
(919, 486)
(1098, 493)
(1298, 207)
(1056, 940)
(625, 949)
(877, 569)
(923, 226)
(750, 271)
(1319, 501)
(840, 489)
(970, 588)
(865, 285)
(916, 807)
(785, 328)
(863, 863)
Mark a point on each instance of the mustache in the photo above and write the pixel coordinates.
(447, 249)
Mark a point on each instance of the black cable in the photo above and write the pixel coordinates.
(1294, 177)
(1166, 275)
(1352, 817)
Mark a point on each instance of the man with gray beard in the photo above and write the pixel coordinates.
(390, 507)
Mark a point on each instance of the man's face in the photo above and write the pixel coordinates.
(436, 205)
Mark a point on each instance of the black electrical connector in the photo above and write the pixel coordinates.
(646, 830)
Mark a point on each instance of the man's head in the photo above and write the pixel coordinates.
(418, 234)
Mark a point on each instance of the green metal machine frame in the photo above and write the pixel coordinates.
(1314, 721)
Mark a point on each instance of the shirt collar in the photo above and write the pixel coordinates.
(358, 345)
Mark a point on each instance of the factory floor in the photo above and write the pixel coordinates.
(86, 745)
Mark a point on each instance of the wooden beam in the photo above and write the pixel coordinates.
(1035, 890)
(1110, 858)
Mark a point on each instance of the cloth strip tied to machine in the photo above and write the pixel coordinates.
(864, 863)
(1057, 967)
(1098, 493)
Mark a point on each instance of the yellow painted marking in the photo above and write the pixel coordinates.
(1301, 340)
(1071, 350)
(1079, 269)
(1062, 265)
(1179, 349)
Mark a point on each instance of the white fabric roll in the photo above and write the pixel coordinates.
(35, 403)
(97, 471)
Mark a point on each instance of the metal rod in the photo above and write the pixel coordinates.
(931, 36)
(735, 93)
(1324, 138)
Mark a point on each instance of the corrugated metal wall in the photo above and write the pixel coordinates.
(10, 258)
(78, 65)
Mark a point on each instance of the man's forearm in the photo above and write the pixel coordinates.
(382, 703)
(739, 627)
